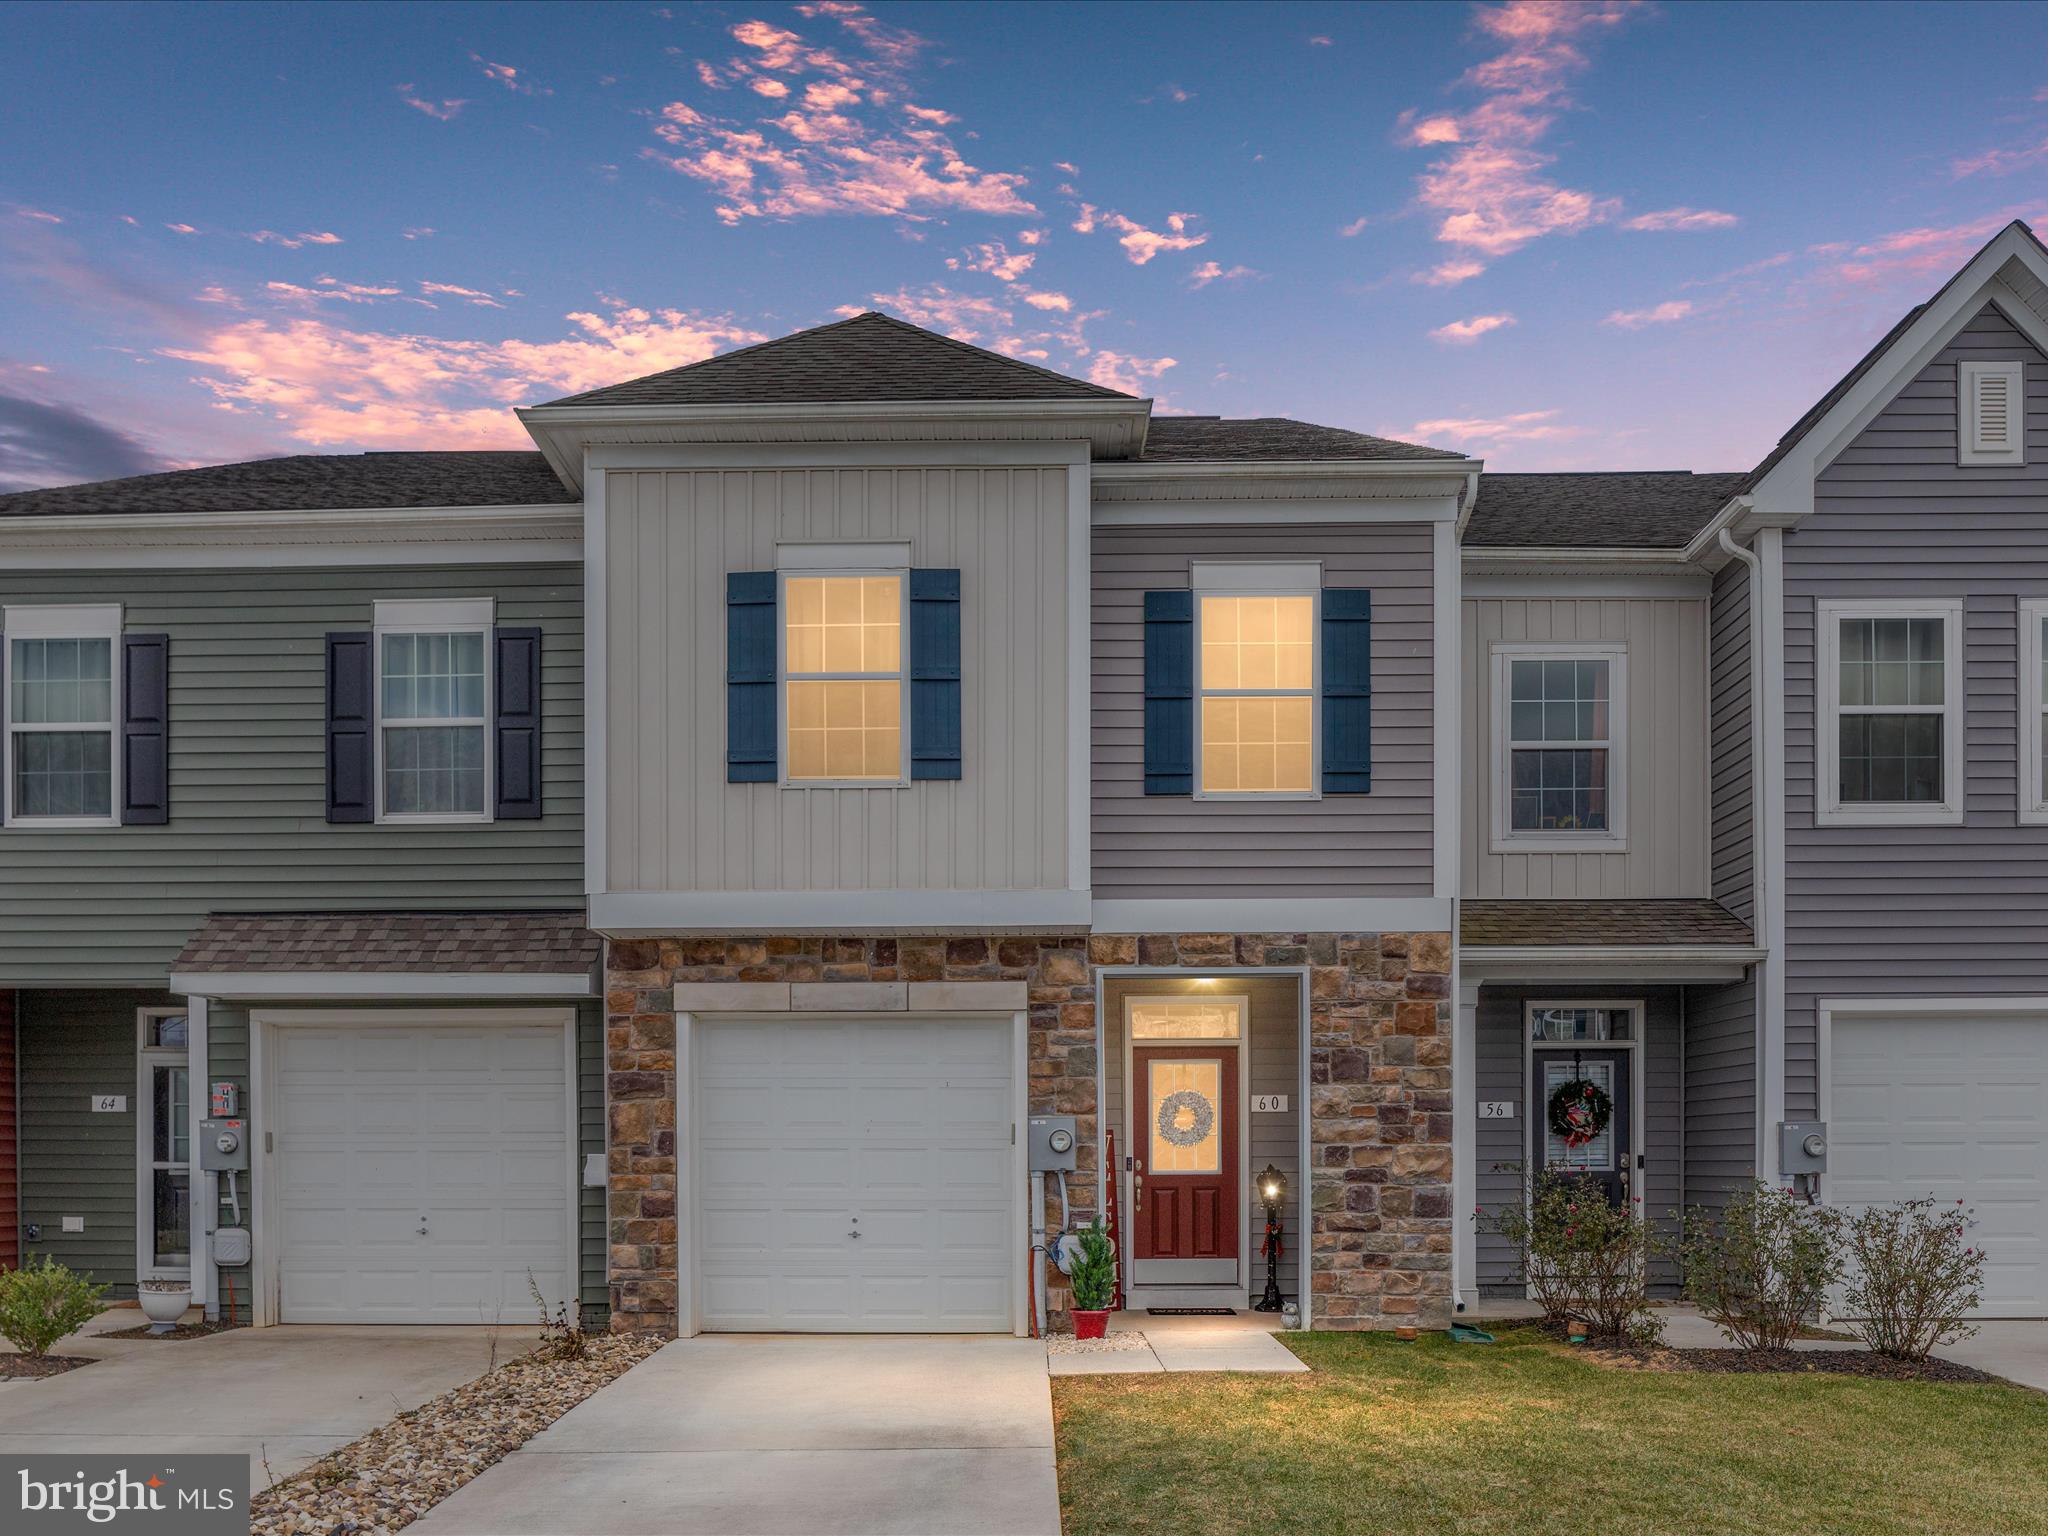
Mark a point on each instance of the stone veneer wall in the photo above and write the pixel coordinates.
(1379, 1087)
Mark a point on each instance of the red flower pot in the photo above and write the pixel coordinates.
(1090, 1325)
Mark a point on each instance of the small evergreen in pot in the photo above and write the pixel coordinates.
(1093, 1279)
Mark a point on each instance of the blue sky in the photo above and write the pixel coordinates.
(1551, 235)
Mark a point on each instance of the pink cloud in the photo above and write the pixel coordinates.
(1354, 228)
(294, 242)
(1215, 272)
(1657, 314)
(38, 214)
(774, 90)
(325, 383)
(1448, 274)
(510, 77)
(441, 111)
(1042, 300)
(2000, 162)
(420, 232)
(930, 115)
(453, 291)
(1132, 375)
(1320, 41)
(1140, 244)
(994, 258)
(182, 229)
(1462, 333)
(1926, 252)
(1491, 191)
(1682, 219)
(334, 288)
(1519, 427)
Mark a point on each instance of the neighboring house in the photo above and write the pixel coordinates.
(922, 741)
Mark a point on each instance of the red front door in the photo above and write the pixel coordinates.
(1184, 1146)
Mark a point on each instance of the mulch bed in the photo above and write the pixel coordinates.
(1831, 1362)
(393, 1475)
(180, 1331)
(23, 1368)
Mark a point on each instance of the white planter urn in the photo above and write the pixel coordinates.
(164, 1308)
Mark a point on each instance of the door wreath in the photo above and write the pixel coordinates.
(1201, 1119)
(1579, 1111)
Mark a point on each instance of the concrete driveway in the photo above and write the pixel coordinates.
(282, 1395)
(2018, 1351)
(750, 1435)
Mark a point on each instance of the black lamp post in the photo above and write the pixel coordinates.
(1273, 1193)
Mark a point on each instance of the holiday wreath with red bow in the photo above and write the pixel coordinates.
(1579, 1111)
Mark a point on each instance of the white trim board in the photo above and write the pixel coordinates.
(148, 1057)
(1335, 914)
(620, 914)
(1446, 719)
(257, 539)
(396, 985)
(1587, 964)
(2033, 791)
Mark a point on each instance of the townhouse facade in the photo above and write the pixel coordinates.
(685, 863)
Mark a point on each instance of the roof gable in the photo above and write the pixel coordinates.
(871, 357)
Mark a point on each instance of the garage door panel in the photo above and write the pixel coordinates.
(801, 1125)
(1953, 1107)
(380, 1126)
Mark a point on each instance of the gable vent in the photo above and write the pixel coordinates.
(1993, 408)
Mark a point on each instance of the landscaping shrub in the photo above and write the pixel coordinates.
(1761, 1267)
(1582, 1257)
(561, 1331)
(1912, 1276)
(1534, 1229)
(42, 1301)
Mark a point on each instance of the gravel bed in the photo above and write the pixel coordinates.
(393, 1475)
(24, 1368)
(1108, 1344)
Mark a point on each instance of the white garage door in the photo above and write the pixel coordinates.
(1955, 1107)
(421, 1171)
(853, 1175)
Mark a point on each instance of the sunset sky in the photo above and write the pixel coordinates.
(1551, 235)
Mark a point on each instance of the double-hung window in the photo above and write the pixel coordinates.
(1560, 724)
(1889, 743)
(433, 710)
(843, 677)
(1255, 681)
(61, 707)
(2033, 785)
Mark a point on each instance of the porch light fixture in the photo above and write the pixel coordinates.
(1272, 1194)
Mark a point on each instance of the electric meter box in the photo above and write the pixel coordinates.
(1053, 1144)
(1802, 1146)
(223, 1145)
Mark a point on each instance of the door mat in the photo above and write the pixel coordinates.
(1191, 1311)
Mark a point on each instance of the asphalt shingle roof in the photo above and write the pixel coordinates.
(1174, 438)
(312, 482)
(1623, 509)
(870, 357)
(511, 943)
(1623, 924)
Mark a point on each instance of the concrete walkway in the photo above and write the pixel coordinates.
(1245, 1342)
(281, 1396)
(746, 1435)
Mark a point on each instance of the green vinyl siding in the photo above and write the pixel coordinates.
(248, 829)
(74, 1162)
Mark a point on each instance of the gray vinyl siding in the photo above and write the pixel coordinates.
(1376, 845)
(74, 1046)
(228, 1057)
(1274, 1066)
(1731, 770)
(1501, 1147)
(248, 828)
(1720, 1090)
(1905, 911)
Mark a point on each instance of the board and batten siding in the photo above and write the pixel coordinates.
(1898, 911)
(75, 1162)
(1271, 1063)
(1168, 846)
(1503, 1148)
(248, 829)
(673, 823)
(1732, 768)
(1664, 757)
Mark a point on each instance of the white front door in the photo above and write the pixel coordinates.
(854, 1175)
(1955, 1107)
(422, 1171)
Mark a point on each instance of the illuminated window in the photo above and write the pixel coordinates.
(843, 671)
(1186, 1018)
(1258, 699)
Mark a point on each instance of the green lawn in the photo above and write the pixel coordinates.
(1522, 1437)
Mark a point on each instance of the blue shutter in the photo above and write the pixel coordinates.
(351, 762)
(750, 677)
(515, 720)
(1170, 693)
(145, 730)
(935, 674)
(1347, 691)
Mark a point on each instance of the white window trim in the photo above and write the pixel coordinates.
(1272, 579)
(147, 1057)
(1967, 376)
(449, 615)
(782, 678)
(1828, 811)
(1240, 1004)
(99, 621)
(2033, 792)
(1505, 839)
